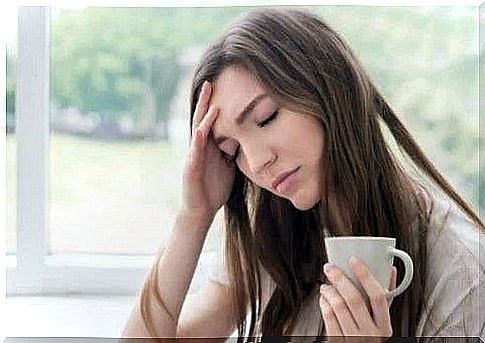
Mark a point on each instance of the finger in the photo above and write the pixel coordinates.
(340, 309)
(202, 105)
(377, 294)
(196, 151)
(351, 295)
(393, 282)
(206, 123)
(200, 140)
(332, 327)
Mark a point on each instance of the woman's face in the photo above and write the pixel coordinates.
(267, 140)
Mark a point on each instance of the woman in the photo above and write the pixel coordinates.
(281, 96)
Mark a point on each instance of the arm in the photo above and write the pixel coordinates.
(208, 313)
(175, 270)
(207, 182)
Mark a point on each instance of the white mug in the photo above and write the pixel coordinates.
(377, 253)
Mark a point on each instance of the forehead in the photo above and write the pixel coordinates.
(234, 89)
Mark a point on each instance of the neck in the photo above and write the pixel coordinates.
(335, 218)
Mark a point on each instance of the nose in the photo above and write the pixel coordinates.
(258, 158)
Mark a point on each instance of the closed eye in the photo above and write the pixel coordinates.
(270, 118)
(234, 157)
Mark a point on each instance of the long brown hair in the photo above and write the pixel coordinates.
(308, 67)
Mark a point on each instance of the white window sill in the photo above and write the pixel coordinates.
(67, 316)
(95, 274)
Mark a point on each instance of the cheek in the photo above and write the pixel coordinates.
(242, 165)
(245, 170)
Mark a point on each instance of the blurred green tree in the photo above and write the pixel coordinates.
(123, 61)
(425, 62)
(10, 91)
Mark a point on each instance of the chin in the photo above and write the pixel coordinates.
(304, 204)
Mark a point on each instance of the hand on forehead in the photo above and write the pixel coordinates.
(233, 90)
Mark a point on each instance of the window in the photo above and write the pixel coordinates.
(100, 139)
(98, 180)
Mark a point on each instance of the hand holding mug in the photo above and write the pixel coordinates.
(344, 309)
(357, 302)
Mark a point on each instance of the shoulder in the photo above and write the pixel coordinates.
(453, 271)
(452, 236)
(453, 244)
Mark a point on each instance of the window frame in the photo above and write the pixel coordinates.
(31, 270)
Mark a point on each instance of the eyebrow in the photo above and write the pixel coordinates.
(241, 117)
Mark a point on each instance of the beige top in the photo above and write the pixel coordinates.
(456, 276)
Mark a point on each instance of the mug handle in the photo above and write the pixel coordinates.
(408, 275)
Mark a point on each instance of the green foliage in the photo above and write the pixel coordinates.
(107, 59)
(10, 84)
(425, 62)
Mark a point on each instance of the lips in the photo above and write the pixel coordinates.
(280, 178)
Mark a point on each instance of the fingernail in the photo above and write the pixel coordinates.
(354, 260)
(323, 288)
(329, 268)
